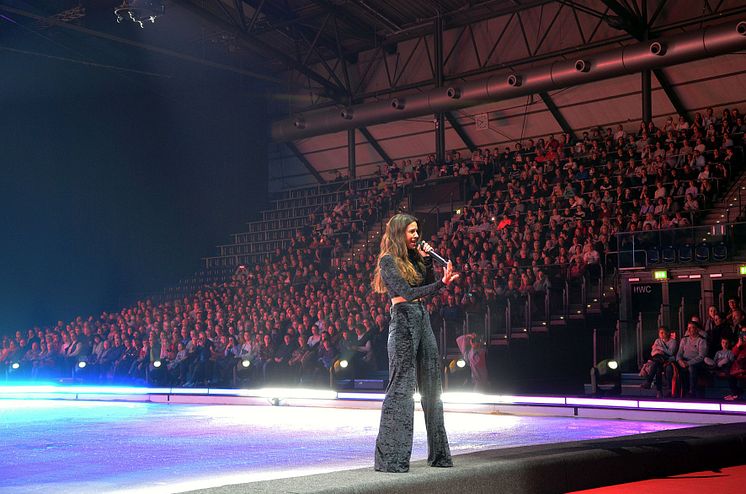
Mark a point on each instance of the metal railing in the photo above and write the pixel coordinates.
(693, 244)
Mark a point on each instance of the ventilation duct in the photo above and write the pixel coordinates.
(629, 59)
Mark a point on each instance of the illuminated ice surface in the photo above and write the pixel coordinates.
(60, 446)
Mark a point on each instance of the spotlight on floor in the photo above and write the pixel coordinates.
(457, 375)
(606, 378)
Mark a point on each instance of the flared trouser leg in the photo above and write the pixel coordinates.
(413, 359)
(428, 381)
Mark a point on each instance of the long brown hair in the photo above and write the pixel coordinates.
(394, 243)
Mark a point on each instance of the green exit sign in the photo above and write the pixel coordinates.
(660, 275)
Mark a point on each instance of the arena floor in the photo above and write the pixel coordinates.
(83, 446)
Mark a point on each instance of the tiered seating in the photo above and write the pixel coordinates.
(533, 246)
(293, 211)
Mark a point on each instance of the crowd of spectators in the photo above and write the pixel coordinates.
(715, 348)
(539, 213)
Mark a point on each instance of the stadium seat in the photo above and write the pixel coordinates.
(686, 253)
(702, 252)
(668, 254)
(719, 252)
(654, 256)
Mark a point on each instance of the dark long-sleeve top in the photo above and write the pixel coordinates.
(397, 286)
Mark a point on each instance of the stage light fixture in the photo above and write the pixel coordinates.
(582, 65)
(140, 11)
(453, 92)
(82, 364)
(15, 366)
(606, 372)
(461, 363)
(343, 363)
(245, 363)
(157, 364)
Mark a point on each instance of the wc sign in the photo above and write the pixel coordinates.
(646, 297)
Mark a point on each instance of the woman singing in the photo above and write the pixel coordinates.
(405, 271)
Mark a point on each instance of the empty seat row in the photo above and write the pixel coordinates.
(686, 253)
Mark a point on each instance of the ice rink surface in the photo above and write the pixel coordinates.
(96, 447)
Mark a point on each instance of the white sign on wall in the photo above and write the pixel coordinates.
(482, 121)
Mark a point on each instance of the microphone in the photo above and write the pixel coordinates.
(432, 253)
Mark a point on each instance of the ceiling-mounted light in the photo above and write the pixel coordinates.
(140, 11)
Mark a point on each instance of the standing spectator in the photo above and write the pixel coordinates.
(474, 353)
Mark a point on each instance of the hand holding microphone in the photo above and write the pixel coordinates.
(448, 274)
(426, 250)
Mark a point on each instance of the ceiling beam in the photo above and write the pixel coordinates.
(673, 96)
(144, 46)
(352, 19)
(333, 91)
(459, 129)
(293, 149)
(274, 12)
(639, 28)
(631, 23)
(557, 114)
(375, 145)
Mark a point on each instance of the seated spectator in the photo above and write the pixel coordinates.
(691, 205)
(662, 355)
(732, 308)
(738, 368)
(690, 357)
(301, 364)
(720, 365)
(364, 357)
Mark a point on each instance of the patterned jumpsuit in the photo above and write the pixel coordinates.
(413, 361)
